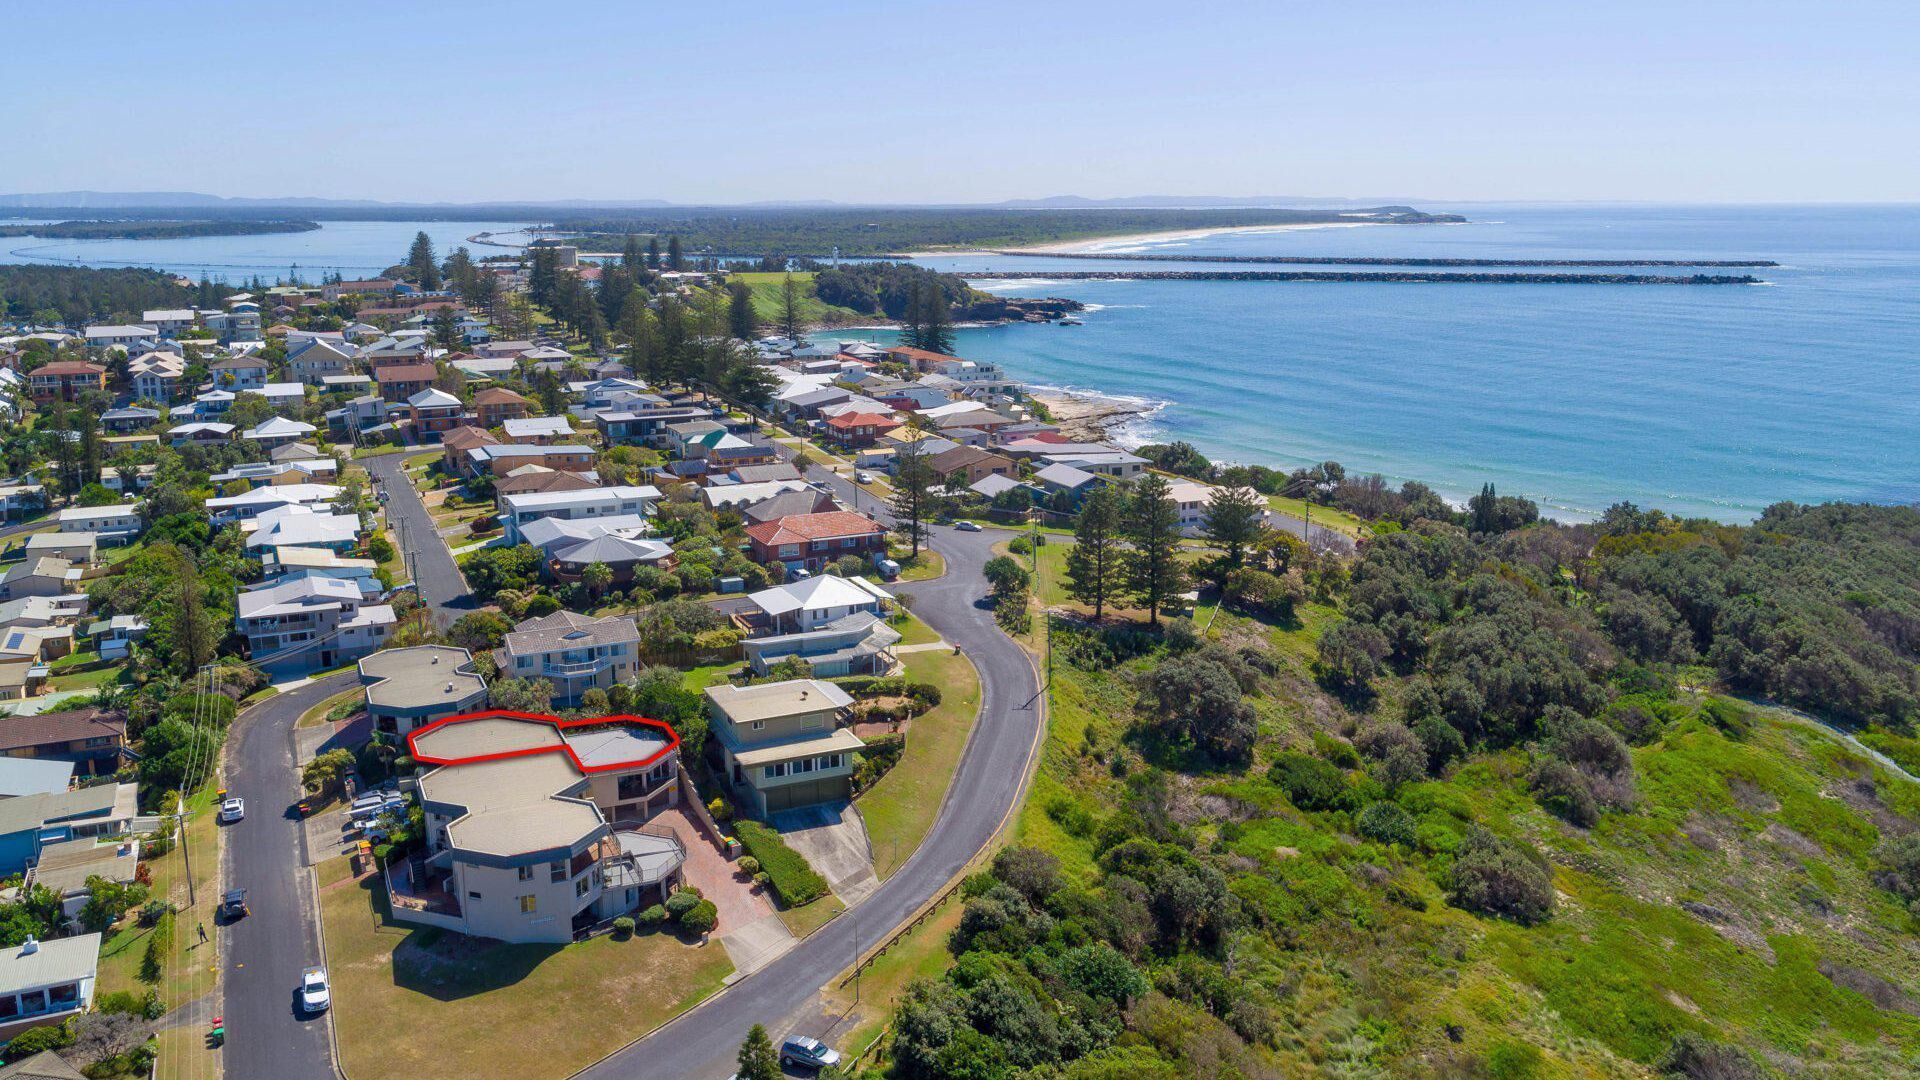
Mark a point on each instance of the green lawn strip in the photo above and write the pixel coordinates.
(425, 1003)
(191, 968)
(1338, 520)
(317, 715)
(698, 679)
(920, 953)
(900, 807)
(377, 451)
(804, 920)
(924, 567)
(77, 659)
(84, 680)
(915, 632)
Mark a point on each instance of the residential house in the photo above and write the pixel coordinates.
(499, 459)
(644, 425)
(309, 624)
(278, 431)
(810, 541)
(44, 983)
(78, 548)
(299, 526)
(517, 511)
(359, 287)
(810, 603)
(788, 504)
(573, 652)
(168, 321)
(113, 638)
(534, 478)
(200, 433)
(359, 416)
(25, 776)
(124, 420)
(781, 744)
(619, 554)
(753, 474)
(739, 496)
(44, 576)
(155, 376)
(264, 473)
(284, 395)
(350, 383)
(455, 444)
(19, 500)
(64, 380)
(553, 535)
(535, 825)
(121, 336)
(858, 429)
(92, 740)
(970, 463)
(125, 480)
(293, 563)
(407, 689)
(401, 381)
(435, 412)
(538, 430)
(236, 373)
(232, 509)
(496, 405)
(109, 524)
(857, 644)
(31, 821)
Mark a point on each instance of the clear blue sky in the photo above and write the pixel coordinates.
(913, 102)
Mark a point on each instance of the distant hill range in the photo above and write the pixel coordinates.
(195, 200)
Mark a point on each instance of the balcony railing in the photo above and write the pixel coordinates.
(585, 667)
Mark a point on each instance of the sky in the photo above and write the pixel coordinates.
(901, 102)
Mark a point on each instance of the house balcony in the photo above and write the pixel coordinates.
(577, 670)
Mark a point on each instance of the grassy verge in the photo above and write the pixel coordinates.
(425, 1004)
(769, 305)
(900, 808)
(317, 715)
(805, 920)
(921, 953)
(914, 632)
(1338, 520)
(924, 567)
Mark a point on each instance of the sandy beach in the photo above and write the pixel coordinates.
(1110, 243)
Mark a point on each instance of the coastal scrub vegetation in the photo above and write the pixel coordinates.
(1494, 796)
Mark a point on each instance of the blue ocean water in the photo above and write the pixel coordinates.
(1703, 400)
(1714, 401)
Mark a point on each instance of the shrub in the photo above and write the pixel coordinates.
(793, 880)
(1497, 877)
(623, 927)
(1563, 792)
(1897, 867)
(748, 865)
(1311, 784)
(152, 910)
(1386, 823)
(653, 916)
(702, 918)
(36, 1040)
(1697, 1057)
(720, 810)
(681, 902)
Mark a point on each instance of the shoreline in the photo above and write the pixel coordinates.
(1097, 245)
(1091, 416)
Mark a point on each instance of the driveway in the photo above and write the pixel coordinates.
(439, 580)
(834, 839)
(266, 951)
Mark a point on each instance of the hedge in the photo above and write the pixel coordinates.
(793, 880)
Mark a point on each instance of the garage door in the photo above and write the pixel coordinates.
(808, 792)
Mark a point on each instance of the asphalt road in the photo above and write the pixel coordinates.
(438, 579)
(703, 1043)
(265, 952)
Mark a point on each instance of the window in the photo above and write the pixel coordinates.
(471, 895)
(758, 724)
(776, 770)
(804, 765)
(528, 904)
(557, 872)
(831, 761)
(580, 887)
(526, 873)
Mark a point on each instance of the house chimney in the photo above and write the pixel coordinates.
(29, 946)
(436, 658)
(449, 688)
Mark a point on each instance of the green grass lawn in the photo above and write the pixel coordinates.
(914, 632)
(1338, 520)
(424, 1003)
(698, 679)
(804, 920)
(901, 807)
(769, 306)
(317, 715)
(924, 567)
(84, 680)
(921, 953)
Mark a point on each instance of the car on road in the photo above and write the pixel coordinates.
(967, 526)
(314, 994)
(811, 1053)
(234, 905)
(863, 477)
(233, 810)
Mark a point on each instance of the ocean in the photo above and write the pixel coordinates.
(1702, 400)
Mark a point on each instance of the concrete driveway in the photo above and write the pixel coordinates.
(833, 838)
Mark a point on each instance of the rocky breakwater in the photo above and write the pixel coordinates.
(987, 308)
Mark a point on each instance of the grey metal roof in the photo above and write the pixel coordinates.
(48, 963)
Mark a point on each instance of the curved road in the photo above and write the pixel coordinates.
(991, 777)
(265, 952)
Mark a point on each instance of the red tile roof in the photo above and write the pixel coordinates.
(393, 373)
(17, 732)
(498, 395)
(69, 367)
(799, 528)
(862, 419)
(908, 352)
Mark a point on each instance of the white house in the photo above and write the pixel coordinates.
(232, 508)
(109, 523)
(811, 603)
(517, 511)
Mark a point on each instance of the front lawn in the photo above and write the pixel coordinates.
(424, 1003)
(915, 632)
(900, 808)
(321, 713)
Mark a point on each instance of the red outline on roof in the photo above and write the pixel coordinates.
(673, 739)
